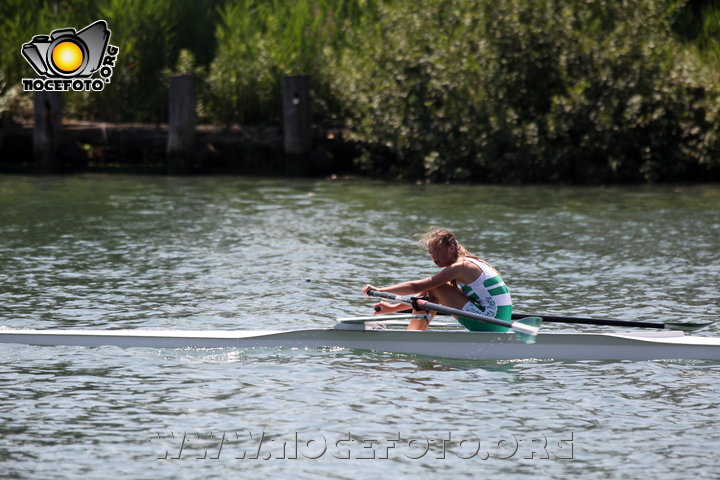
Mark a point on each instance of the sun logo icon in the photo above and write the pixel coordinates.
(67, 57)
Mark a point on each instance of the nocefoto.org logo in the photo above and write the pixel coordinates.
(66, 60)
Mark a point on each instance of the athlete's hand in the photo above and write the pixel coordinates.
(367, 288)
(384, 307)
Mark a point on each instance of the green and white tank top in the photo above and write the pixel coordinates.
(488, 292)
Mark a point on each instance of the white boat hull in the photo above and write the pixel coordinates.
(447, 344)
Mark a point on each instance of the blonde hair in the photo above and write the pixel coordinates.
(436, 236)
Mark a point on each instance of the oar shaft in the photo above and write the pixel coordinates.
(589, 321)
(425, 305)
(420, 304)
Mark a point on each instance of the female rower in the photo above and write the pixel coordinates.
(465, 282)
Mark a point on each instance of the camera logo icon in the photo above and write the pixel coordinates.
(68, 58)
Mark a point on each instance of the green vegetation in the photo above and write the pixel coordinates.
(446, 90)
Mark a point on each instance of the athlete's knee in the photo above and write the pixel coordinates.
(431, 296)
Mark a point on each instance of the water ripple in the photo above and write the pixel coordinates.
(213, 252)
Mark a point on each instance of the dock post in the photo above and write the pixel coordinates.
(181, 122)
(296, 120)
(47, 131)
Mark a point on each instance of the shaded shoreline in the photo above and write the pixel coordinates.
(142, 148)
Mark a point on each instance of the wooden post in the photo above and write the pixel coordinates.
(47, 131)
(181, 134)
(296, 115)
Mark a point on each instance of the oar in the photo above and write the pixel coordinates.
(525, 331)
(685, 326)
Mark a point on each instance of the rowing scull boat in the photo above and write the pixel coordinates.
(433, 343)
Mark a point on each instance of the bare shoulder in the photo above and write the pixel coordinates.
(466, 271)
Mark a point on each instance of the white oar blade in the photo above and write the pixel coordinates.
(527, 329)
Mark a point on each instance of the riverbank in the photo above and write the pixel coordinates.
(141, 148)
(516, 93)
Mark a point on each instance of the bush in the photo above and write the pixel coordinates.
(529, 90)
(259, 41)
(583, 91)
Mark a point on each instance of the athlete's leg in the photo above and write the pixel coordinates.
(444, 295)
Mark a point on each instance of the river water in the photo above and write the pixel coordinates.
(108, 252)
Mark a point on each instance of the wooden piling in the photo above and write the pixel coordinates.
(181, 131)
(296, 115)
(47, 131)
